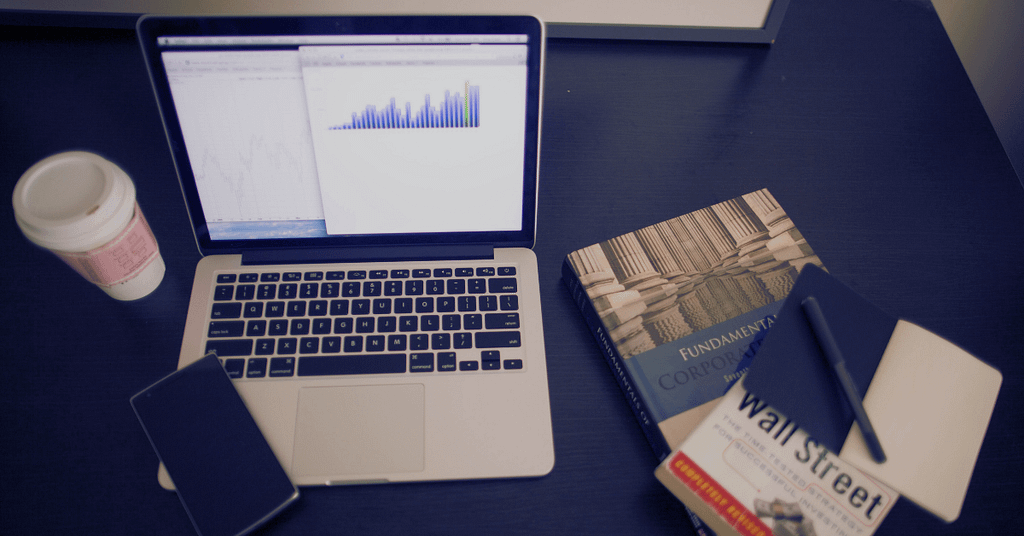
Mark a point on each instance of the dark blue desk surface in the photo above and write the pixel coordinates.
(859, 118)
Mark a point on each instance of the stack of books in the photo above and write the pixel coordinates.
(699, 319)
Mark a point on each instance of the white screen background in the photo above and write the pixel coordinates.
(417, 180)
(243, 118)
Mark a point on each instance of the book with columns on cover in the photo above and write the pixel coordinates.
(678, 308)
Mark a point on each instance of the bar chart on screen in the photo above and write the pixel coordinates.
(455, 110)
(419, 139)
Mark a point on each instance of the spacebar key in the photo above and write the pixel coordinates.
(498, 339)
(332, 365)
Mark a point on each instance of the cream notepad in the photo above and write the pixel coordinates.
(930, 403)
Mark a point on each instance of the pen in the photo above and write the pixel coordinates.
(835, 358)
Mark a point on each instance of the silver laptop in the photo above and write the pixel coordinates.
(363, 191)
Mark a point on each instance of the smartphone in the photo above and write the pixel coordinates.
(227, 477)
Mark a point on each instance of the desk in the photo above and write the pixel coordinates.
(860, 119)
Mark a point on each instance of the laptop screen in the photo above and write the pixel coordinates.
(303, 131)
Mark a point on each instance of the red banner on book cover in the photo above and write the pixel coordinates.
(714, 495)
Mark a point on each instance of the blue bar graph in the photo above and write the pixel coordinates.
(456, 110)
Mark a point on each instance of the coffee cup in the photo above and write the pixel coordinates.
(82, 208)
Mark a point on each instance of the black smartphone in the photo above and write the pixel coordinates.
(223, 469)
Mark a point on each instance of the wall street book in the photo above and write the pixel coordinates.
(748, 470)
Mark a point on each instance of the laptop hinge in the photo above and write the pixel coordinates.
(368, 254)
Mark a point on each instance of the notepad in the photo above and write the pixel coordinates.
(929, 401)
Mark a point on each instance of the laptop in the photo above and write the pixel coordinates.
(363, 190)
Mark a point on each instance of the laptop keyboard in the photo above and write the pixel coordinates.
(320, 323)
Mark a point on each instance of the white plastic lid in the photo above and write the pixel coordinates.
(73, 201)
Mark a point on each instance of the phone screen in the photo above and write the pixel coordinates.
(225, 473)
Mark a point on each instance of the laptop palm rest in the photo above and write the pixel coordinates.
(361, 431)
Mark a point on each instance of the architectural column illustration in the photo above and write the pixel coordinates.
(628, 260)
(653, 241)
(786, 243)
(690, 258)
(779, 281)
(768, 210)
(620, 309)
(632, 265)
(699, 247)
(741, 222)
(633, 269)
(693, 310)
(753, 288)
(749, 232)
(716, 233)
(663, 320)
(675, 278)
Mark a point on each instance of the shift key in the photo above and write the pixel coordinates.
(230, 347)
(499, 339)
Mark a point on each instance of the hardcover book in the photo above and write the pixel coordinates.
(747, 470)
(678, 308)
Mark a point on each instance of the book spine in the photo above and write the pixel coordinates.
(699, 526)
(635, 398)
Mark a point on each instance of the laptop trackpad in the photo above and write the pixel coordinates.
(360, 430)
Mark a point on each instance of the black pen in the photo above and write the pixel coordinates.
(835, 358)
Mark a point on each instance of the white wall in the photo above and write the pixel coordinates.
(989, 37)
